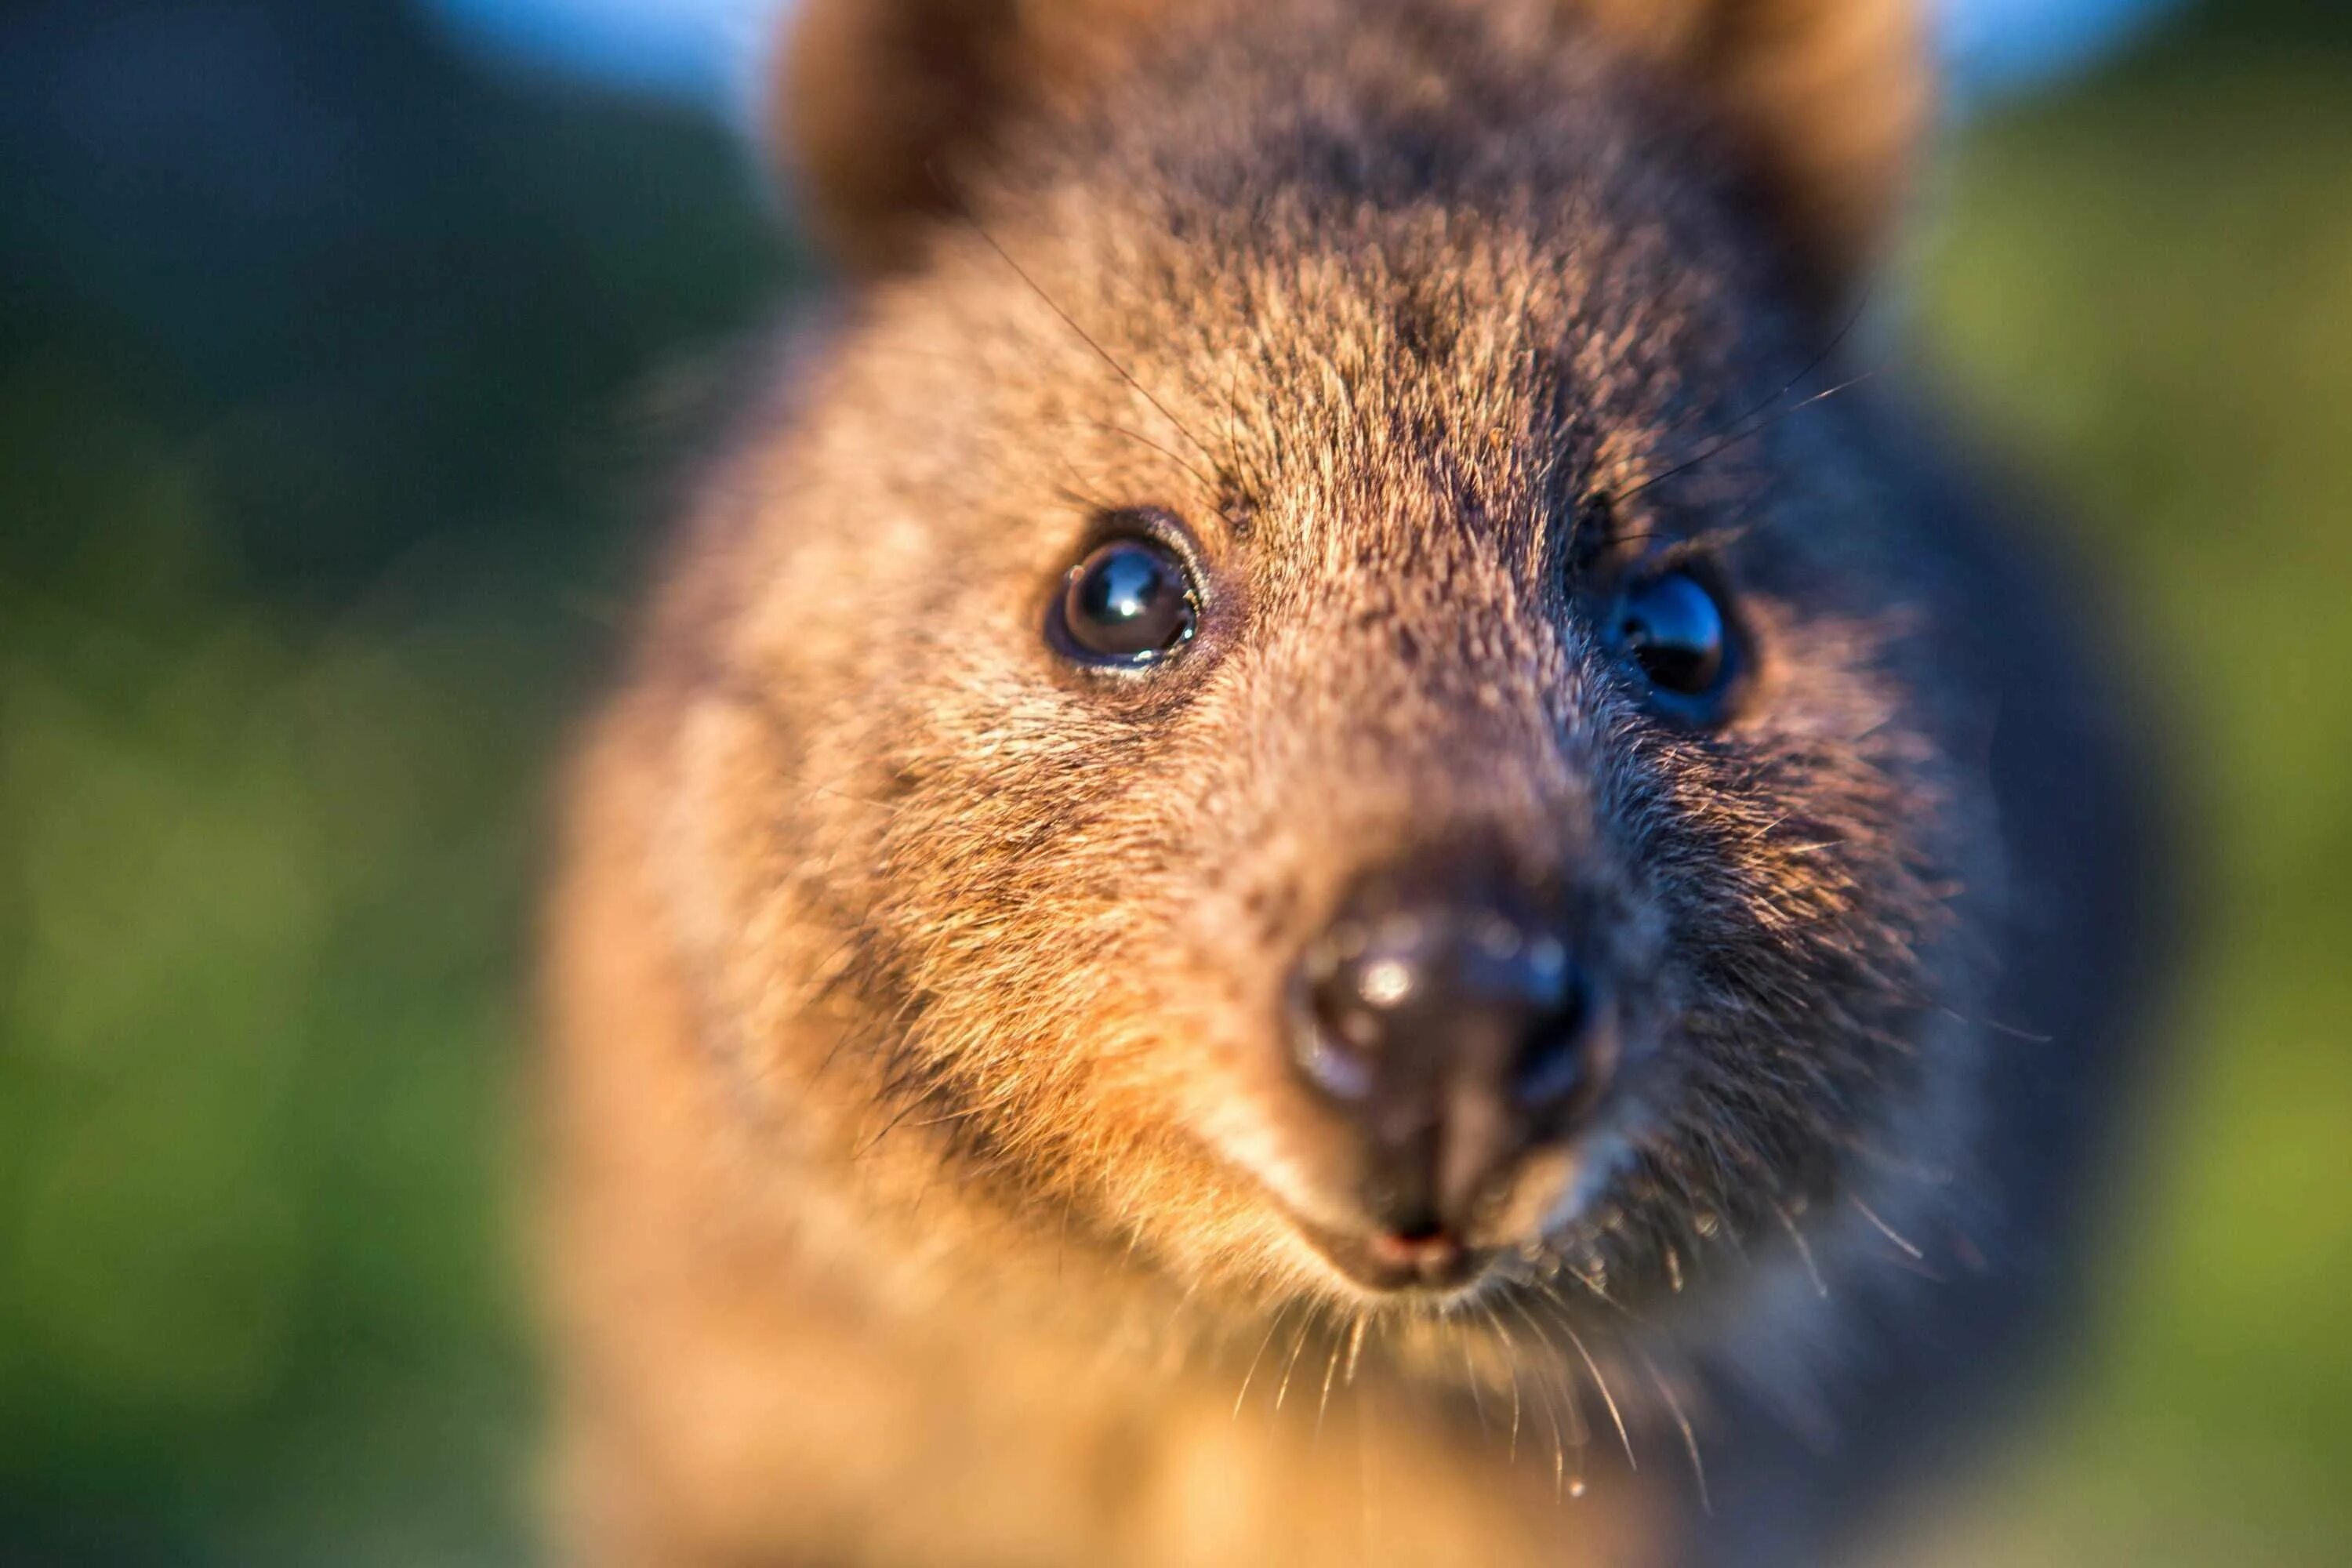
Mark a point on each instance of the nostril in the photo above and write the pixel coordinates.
(1551, 1062)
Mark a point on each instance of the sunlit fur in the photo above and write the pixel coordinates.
(931, 1166)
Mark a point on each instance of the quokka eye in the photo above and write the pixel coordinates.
(1675, 630)
(1131, 602)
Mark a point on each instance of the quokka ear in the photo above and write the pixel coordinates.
(880, 101)
(1823, 103)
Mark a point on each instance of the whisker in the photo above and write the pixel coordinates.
(1578, 1434)
(1804, 1251)
(1608, 1399)
(1080, 498)
(1511, 1354)
(1861, 306)
(1182, 1301)
(1330, 1372)
(965, 212)
(891, 806)
(1233, 416)
(1271, 1329)
(1597, 1290)
(1140, 438)
(2008, 1031)
(1690, 1438)
(1477, 1400)
(1886, 1230)
(1684, 546)
(1306, 1331)
(1713, 450)
(1551, 1404)
(903, 1112)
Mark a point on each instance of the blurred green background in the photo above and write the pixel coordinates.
(338, 383)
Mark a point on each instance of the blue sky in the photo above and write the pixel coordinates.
(704, 51)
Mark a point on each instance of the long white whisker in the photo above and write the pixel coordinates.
(1608, 1399)
(1690, 1438)
(1511, 1360)
(1280, 1312)
(1330, 1372)
(1551, 1406)
(1355, 1348)
(1306, 1331)
(1804, 1251)
(1477, 1400)
(1888, 1231)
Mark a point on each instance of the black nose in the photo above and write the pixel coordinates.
(1444, 1012)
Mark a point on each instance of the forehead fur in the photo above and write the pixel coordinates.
(1470, 269)
(1421, 237)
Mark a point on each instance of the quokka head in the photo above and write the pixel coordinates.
(1312, 683)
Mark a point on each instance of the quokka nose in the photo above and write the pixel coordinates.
(1444, 1012)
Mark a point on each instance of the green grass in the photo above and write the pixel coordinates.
(2148, 289)
(258, 1016)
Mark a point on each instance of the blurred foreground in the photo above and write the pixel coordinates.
(334, 387)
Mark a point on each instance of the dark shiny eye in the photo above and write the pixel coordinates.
(1673, 628)
(1130, 602)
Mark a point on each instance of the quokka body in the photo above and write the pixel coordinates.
(1327, 845)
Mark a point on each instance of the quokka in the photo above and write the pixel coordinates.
(1328, 846)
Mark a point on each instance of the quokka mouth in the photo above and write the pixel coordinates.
(1432, 1266)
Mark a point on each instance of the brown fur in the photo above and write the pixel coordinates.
(930, 1180)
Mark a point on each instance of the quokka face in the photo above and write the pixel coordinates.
(1314, 685)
